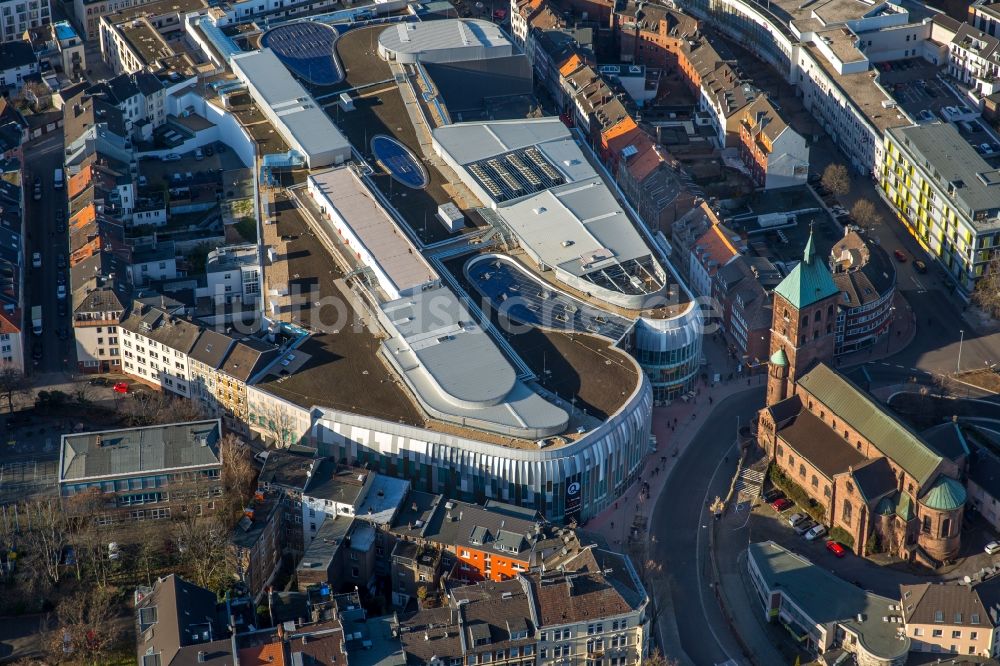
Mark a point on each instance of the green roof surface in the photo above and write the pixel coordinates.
(946, 494)
(904, 508)
(810, 281)
(779, 358)
(851, 405)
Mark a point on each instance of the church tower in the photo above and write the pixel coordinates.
(804, 323)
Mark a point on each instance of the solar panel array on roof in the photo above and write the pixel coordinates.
(515, 174)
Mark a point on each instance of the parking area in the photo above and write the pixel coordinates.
(881, 574)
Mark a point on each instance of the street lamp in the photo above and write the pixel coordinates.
(961, 339)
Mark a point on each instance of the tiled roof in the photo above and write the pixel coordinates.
(575, 597)
(815, 441)
(874, 479)
(852, 406)
(956, 604)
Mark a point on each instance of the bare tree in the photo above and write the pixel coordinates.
(865, 213)
(239, 477)
(86, 629)
(12, 383)
(158, 408)
(836, 179)
(277, 426)
(656, 658)
(987, 292)
(205, 552)
(46, 535)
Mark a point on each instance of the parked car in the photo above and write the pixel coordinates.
(61, 308)
(120, 387)
(992, 548)
(814, 178)
(114, 552)
(61, 260)
(772, 495)
(900, 256)
(171, 157)
(61, 292)
(199, 155)
(920, 266)
(38, 189)
(781, 504)
(816, 532)
(261, 456)
(36, 260)
(836, 548)
(804, 526)
(37, 352)
(99, 381)
(209, 151)
(63, 333)
(797, 518)
(61, 277)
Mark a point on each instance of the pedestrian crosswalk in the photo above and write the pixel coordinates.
(749, 484)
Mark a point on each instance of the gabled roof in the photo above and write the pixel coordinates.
(852, 406)
(874, 479)
(15, 54)
(810, 281)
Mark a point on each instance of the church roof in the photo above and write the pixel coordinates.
(853, 406)
(946, 494)
(810, 281)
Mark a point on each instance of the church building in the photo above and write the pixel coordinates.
(870, 474)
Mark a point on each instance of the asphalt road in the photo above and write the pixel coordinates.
(679, 535)
(43, 157)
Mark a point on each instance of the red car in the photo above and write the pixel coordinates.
(781, 504)
(836, 548)
(900, 257)
(121, 387)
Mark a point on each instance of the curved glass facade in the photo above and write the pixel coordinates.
(669, 351)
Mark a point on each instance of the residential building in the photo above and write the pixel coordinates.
(647, 176)
(154, 346)
(149, 473)
(826, 613)
(652, 35)
(152, 262)
(945, 194)
(343, 555)
(233, 274)
(72, 56)
(255, 543)
(141, 99)
(179, 623)
(247, 358)
(712, 251)
(286, 473)
(19, 16)
(489, 622)
(866, 278)
(869, 474)
(743, 293)
(18, 62)
(974, 60)
(12, 341)
(414, 566)
(97, 313)
(985, 15)
(592, 607)
(952, 618)
(983, 483)
(204, 361)
(775, 154)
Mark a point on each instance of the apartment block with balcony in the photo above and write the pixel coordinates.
(97, 313)
(155, 343)
(136, 474)
(974, 60)
(946, 195)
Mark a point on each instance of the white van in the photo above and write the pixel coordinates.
(57, 179)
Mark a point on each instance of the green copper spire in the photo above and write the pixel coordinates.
(809, 282)
(778, 358)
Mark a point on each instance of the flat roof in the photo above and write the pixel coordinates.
(569, 219)
(301, 117)
(826, 598)
(443, 35)
(130, 451)
(949, 159)
(356, 205)
(385, 496)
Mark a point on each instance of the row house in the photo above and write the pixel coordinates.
(591, 609)
(140, 97)
(13, 337)
(154, 346)
(652, 35)
(138, 474)
(775, 155)
(98, 307)
(13, 131)
(743, 292)
(647, 176)
(952, 618)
